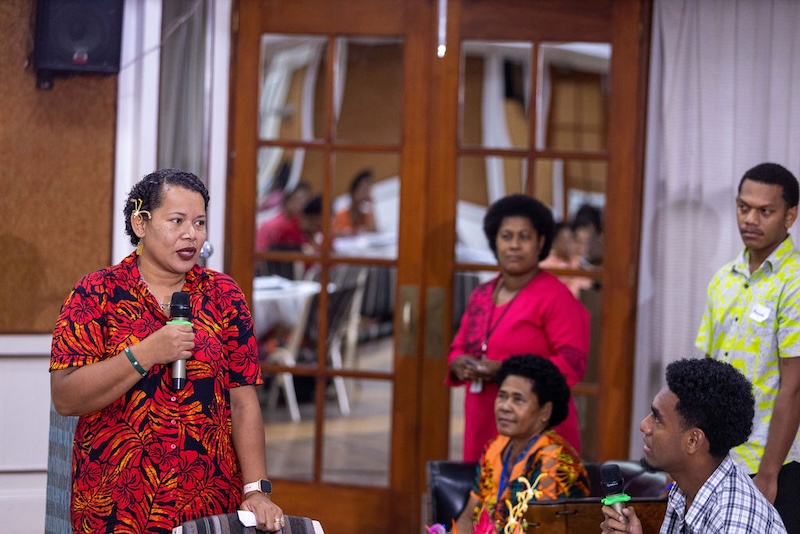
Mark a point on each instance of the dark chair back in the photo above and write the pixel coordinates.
(344, 280)
(593, 470)
(284, 269)
(449, 483)
(640, 483)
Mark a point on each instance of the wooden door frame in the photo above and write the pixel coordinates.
(631, 47)
(397, 507)
(629, 37)
(430, 231)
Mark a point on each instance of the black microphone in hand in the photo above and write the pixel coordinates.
(612, 484)
(180, 309)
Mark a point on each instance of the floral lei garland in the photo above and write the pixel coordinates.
(516, 524)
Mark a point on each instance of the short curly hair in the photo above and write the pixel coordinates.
(548, 384)
(714, 397)
(519, 205)
(150, 190)
(774, 174)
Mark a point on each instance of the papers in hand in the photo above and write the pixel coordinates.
(248, 519)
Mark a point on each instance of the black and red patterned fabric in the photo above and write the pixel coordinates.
(156, 457)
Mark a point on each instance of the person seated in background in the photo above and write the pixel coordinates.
(704, 411)
(564, 250)
(564, 255)
(284, 231)
(588, 227)
(532, 399)
(277, 188)
(311, 224)
(358, 217)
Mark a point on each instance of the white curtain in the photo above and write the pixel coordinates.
(495, 127)
(724, 96)
(277, 75)
(182, 126)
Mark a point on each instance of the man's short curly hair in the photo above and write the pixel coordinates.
(549, 385)
(519, 205)
(774, 174)
(150, 190)
(714, 397)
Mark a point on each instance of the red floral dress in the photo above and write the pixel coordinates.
(156, 457)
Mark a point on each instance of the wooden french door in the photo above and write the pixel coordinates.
(408, 90)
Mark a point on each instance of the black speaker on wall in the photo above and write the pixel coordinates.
(77, 36)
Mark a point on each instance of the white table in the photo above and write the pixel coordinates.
(381, 245)
(277, 301)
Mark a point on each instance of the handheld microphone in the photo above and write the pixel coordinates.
(612, 484)
(180, 309)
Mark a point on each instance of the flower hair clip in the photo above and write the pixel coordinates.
(137, 208)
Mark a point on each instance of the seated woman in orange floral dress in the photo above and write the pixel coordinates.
(358, 218)
(533, 398)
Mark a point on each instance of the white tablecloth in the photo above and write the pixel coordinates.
(369, 245)
(277, 300)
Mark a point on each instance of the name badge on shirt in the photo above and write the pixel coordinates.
(759, 313)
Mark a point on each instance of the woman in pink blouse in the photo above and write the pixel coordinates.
(522, 310)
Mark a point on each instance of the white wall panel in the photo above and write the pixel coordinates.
(22, 502)
(25, 416)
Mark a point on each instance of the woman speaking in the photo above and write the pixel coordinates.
(150, 453)
(522, 310)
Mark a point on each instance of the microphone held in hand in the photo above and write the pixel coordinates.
(180, 309)
(612, 483)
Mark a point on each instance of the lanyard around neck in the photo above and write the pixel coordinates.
(507, 466)
(491, 327)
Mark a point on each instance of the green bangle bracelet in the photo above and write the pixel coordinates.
(134, 362)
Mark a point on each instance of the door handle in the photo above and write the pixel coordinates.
(408, 304)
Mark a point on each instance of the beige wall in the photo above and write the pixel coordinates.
(56, 179)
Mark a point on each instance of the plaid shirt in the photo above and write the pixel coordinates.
(751, 321)
(728, 502)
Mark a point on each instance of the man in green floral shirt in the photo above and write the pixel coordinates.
(752, 320)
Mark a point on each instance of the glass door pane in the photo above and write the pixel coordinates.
(291, 86)
(554, 151)
(325, 202)
(368, 95)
